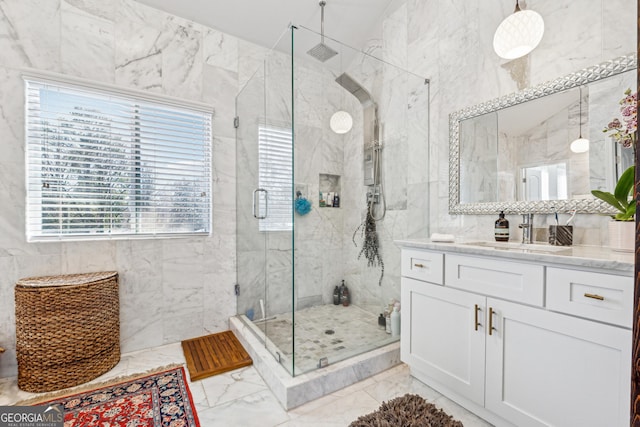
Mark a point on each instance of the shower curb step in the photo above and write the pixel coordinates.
(295, 391)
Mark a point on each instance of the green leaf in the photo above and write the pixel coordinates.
(625, 185)
(631, 210)
(609, 198)
(628, 215)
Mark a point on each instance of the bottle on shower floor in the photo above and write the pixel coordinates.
(344, 294)
(336, 296)
(345, 297)
(395, 322)
(387, 318)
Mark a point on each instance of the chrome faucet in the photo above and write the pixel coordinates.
(527, 228)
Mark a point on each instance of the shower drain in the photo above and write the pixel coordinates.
(329, 332)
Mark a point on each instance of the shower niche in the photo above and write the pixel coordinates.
(329, 191)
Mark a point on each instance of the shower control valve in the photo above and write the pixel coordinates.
(373, 197)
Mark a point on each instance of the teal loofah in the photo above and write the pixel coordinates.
(302, 206)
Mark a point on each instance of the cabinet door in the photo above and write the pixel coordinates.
(439, 336)
(550, 369)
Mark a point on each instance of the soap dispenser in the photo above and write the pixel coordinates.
(502, 228)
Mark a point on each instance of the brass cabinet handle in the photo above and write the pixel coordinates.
(478, 309)
(594, 296)
(491, 328)
(419, 265)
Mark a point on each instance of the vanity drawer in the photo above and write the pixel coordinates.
(598, 296)
(423, 265)
(502, 279)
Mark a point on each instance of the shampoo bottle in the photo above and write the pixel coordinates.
(345, 297)
(387, 319)
(395, 322)
(502, 228)
(382, 323)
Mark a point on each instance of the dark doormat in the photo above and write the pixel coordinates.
(409, 410)
(214, 354)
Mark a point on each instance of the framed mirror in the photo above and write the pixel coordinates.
(515, 154)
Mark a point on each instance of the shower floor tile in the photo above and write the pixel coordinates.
(330, 331)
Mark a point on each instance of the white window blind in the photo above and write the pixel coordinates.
(103, 164)
(276, 177)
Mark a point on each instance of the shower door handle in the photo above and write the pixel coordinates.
(256, 212)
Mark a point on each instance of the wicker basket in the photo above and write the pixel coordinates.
(67, 329)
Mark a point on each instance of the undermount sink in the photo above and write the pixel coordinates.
(520, 247)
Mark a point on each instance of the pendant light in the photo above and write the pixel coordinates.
(580, 145)
(518, 34)
(341, 121)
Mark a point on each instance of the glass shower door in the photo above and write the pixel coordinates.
(251, 243)
(264, 158)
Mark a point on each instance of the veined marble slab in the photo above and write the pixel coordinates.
(594, 257)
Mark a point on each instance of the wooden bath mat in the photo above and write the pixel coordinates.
(214, 354)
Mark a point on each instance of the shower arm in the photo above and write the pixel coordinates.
(322, 4)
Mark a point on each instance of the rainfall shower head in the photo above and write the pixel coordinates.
(321, 51)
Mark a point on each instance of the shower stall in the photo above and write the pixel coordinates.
(316, 208)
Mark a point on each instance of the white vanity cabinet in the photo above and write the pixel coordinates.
(491, 338)
(439, 336)
(550, 369)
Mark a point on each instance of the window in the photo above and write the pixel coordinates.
(276, 177)
(102, 164)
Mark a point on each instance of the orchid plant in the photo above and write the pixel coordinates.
(625, 134)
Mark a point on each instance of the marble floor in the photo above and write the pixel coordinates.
(330, 331)
(241, 398)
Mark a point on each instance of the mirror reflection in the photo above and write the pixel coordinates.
(544, 182)
(518, 148)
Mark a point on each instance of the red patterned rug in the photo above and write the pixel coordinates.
(155, 400)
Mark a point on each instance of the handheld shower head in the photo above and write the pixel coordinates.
(321, 51)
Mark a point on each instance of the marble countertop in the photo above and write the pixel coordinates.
(593, 257)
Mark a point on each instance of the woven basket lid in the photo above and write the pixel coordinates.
(67, 279)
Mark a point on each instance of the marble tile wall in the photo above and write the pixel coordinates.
(451, 43)
(170, 289)
(403, 101)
